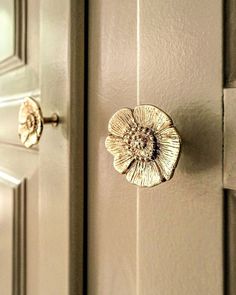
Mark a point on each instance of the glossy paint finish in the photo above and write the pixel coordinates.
(168, 239)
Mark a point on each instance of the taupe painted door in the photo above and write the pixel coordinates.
(38, 191)
(168, 239)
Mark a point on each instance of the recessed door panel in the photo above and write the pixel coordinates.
(7, 31)
(6, 241)
(12, 34)
(12, 238)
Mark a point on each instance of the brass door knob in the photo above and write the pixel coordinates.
(31, 122)
(145, 145)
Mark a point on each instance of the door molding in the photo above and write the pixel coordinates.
(19, 231)
(19, 56)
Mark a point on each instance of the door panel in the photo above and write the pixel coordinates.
(12, 220)
(47, 64)
(61, 154)
(12, 32)
(180, 222)
(7, 29)
(18, 166)
(7, 214)
(167, 239)
(21, 181)
(112, 203)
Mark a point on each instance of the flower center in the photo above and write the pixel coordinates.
(142, 143)
(30, 122)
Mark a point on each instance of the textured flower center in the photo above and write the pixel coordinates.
(31, 122)
(142, 143)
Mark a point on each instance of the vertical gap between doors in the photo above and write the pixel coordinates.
(225, 244)
(229, 43)
(86, 160)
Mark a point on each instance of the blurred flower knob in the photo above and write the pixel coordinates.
(31, 122)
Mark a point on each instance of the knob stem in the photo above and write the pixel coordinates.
(54, 120)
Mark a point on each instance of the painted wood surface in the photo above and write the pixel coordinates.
(165, 240)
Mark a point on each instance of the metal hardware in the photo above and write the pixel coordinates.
(31, 122)
(51, 120)
(145, 145)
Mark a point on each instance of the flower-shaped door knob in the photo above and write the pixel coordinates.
(145, 145)
(31, 122)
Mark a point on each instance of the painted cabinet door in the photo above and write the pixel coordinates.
(167, 239)
(39, 187)
(19, 194)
